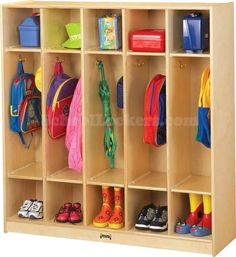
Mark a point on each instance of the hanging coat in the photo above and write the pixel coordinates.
(74, 131)
(204, 105)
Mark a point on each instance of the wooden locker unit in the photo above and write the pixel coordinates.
(163, 175)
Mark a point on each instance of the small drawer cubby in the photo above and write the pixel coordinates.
(54, 23)
(137, 200)
(176, 30)
(60, 193)
(151, 19)
(29, 164)
(91, 35)
(147, 164)
(190, 166)
(14, 17)
(98, 171)
(32, 190)
(57, 169)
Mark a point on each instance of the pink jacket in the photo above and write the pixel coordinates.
(74, 131)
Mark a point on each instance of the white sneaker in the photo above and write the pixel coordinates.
(36, 210)
(25, 208)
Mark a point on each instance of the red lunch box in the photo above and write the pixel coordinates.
(147, 40)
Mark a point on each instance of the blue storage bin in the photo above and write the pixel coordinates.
(29, 32)
(195, 33)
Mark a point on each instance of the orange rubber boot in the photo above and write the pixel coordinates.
(116, 221)
(101, 220)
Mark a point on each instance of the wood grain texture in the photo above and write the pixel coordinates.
(223, 125)
(163, 175)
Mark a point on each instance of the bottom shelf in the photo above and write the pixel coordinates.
(15, 218)
(122, 236)
(133, 230)
(190, 237)
(148, 232)
(67, 224)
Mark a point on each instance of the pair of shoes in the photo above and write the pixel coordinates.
(32, 209)
(198, 222)
(111, 213)
(153, 218)
(69, 213)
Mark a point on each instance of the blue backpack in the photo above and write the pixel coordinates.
(25, 108)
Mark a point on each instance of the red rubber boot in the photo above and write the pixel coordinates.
(101, 220)
(116, 220)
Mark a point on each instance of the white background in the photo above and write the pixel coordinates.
(12, 244)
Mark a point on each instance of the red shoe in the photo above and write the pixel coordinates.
(64, 213)
(75, 214)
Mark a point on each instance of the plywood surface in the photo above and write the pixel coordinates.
(163, 175)
(32, 171)
(194, 184)
(109, 177)
(151, 180)
(66, 175)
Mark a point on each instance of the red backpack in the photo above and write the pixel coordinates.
(59, 99)
(155, 111)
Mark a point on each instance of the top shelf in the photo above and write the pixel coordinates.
(54, 34)
(182, 53)
(127, 5)
(18, 48)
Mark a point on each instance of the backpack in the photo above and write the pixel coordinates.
(155, 111)
(25, 107)
(204, 104)
(74, 131)
(58, 101)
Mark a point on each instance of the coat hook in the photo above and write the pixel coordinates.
(98, 60)
(21, 59)
(58, 60)
(139, 63)
(182, 65)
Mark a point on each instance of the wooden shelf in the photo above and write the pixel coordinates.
(18, 48)
(146, 53)
(62, 51)
(162, 175)
(106, 229)
(32, 171)
(150, 181)
(67, 225)
(66, 175)
(149, 232)
(15, 218)
(194, 184)
(193, 238)
(96, 50)
(109, 177)
(182, 53)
